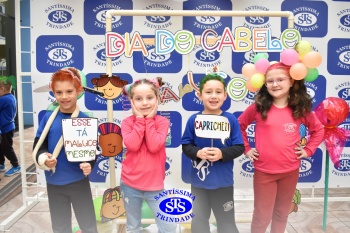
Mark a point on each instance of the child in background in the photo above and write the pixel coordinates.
(143, 170)
(215, 190)
(8, 108)
(67, 182)
(281, 107)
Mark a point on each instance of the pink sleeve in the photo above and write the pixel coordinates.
(316, 130)
(245, 119)
(156, 132)
(133, 132)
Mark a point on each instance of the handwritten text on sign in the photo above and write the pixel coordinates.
(212, 126)
(80, 138)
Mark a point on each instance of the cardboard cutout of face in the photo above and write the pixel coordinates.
(110, 139)
(112, 205)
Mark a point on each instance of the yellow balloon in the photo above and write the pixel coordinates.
(303, 47)
(257, 80)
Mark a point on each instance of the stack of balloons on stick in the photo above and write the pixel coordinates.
(302, 61)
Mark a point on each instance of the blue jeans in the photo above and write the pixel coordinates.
(133, 199)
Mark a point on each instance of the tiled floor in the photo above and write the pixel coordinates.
(309, 217)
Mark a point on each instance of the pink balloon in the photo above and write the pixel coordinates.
(248, 70)
(289, 57)
(312, 59)
(261, 65)
(298, 71)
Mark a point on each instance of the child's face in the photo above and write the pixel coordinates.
(278, 83)
(66, 95)
(213, 96)
(144, 98)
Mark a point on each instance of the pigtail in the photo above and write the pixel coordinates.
(126, 90)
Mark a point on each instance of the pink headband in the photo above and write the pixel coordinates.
(154, 81)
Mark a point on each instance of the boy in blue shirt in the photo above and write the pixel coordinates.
(212, 188)
(7, 125)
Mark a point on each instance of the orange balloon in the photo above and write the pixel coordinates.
(298, 71)
(250, 87)
(248, 70)
(312, 59)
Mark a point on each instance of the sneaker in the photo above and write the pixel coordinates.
(13, 171)
(2, 168)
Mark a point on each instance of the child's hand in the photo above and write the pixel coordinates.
(51, 161)
(134, 110)
(202, 154)
(86, 167)
(214, 154)
(252, 154)
(153, 112)
(300, 151)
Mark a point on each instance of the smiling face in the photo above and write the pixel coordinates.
(113, 209)
(110, 91)
(66, 95)
(278, 83)
(213, 96)
(111, 144)
(144, 98)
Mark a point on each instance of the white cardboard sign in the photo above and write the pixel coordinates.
(212, 126)
(80, 138)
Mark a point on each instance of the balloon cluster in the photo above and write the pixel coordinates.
(331, 112)
(301, 59)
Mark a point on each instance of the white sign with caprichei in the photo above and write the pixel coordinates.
(80, 138)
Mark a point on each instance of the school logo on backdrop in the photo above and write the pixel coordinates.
(247, 167)
(95, 16)
(59, 16)
(317, 90)
(100, 56)
(252, 22)
(204, 58)
(310, 17)
(310, 169)
(157, 63)
(158, 22)
(344, 166)
(344, 20)
(338, 59)
(346, 125)
(343, 90)
(56, 52)
(168, 166)
(173, 139)
(197, 24)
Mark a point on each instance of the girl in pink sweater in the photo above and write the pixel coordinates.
(281, 108)
(143, 170)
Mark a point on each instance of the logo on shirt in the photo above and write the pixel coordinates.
(59, 16)
(290, 127)
(175, 205)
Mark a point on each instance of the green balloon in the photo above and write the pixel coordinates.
(312, 74)
(260, 55)
(97, 207)
(75, 229)
(146, 213)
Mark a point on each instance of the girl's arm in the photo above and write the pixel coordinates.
(156, 136)
(245, 119)
(316, 130)
(133, 132)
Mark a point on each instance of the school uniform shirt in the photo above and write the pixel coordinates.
(277, 136)
(66, 172)
(7, 113)
(144, 165)
(218, 174)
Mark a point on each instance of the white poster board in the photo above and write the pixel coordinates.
(212, 126)
(80, 138)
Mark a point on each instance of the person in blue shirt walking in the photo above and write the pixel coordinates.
(8, 109)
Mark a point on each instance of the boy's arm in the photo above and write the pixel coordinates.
(190, 151)
(42, 150)
(232, 152)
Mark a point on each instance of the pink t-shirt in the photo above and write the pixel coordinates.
(144, 165)
(276, 137)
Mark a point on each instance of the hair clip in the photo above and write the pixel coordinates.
(154, 81)
(126, 89)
